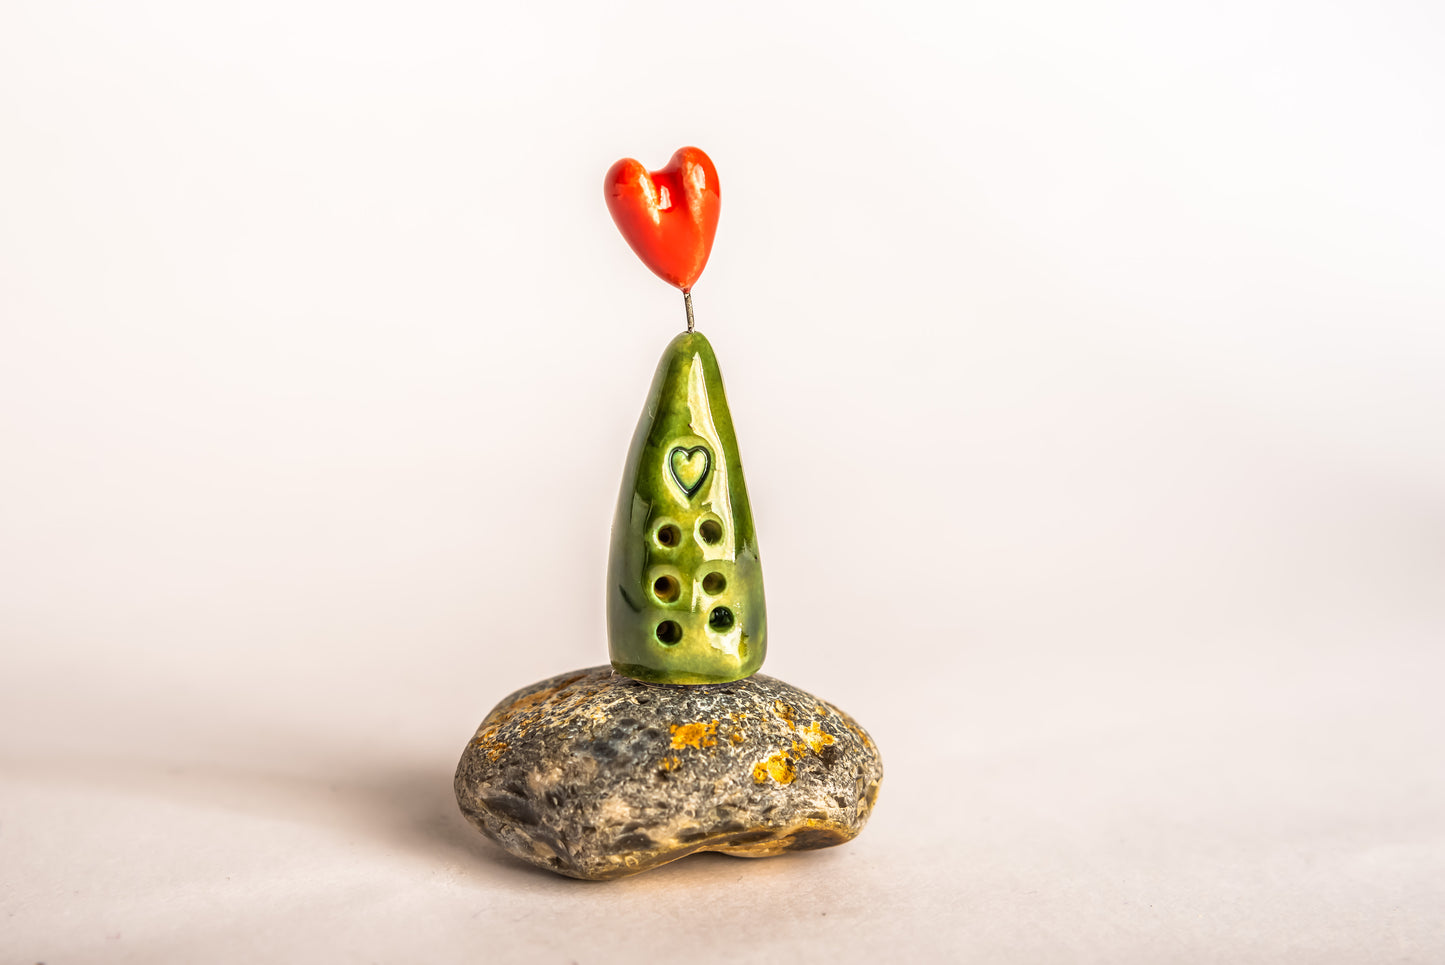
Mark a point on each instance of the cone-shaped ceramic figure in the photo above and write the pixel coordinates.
(684, 586)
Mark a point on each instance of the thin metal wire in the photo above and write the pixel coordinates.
(687, 301)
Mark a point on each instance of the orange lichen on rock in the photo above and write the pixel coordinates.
(535, 699)
(815, 737)
(487, 741)
(696, 735)
(784, 712)
(778, 767)
(851, 724)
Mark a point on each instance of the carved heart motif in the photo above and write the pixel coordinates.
(689, 467)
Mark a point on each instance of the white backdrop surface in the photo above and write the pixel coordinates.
(1087, 366)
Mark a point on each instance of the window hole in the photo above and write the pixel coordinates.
(666, 589)
(714, 583)
(669, 535)
(720, 619)
(711, 531)
(669, 632)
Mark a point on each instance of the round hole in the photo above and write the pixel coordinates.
(669, 632)
(720, 619)
(666, 588)
(669, 535)
(714, 583)
(710, 530)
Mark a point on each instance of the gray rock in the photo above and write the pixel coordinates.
(595, 775)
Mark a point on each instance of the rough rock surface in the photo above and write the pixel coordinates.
(595, 775)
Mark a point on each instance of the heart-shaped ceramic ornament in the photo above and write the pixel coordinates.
(669, 216)
(689, 467)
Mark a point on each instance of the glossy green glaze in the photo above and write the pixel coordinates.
(684, 586)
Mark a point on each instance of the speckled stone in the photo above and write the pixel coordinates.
(595, 775)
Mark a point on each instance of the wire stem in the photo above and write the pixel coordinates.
(687, 301)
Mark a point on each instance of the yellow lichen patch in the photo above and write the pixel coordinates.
(670, 763)
(487, 741)
(852, 725)
(696, 735)
(784, 712)
(530, 702)
(815, 737)
(778, 767)
(736, 737)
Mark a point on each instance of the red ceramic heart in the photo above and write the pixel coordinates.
(669, 217)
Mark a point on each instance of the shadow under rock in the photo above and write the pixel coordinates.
(402, 807)
(417, 810)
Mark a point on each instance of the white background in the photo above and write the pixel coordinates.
(1088, 367)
